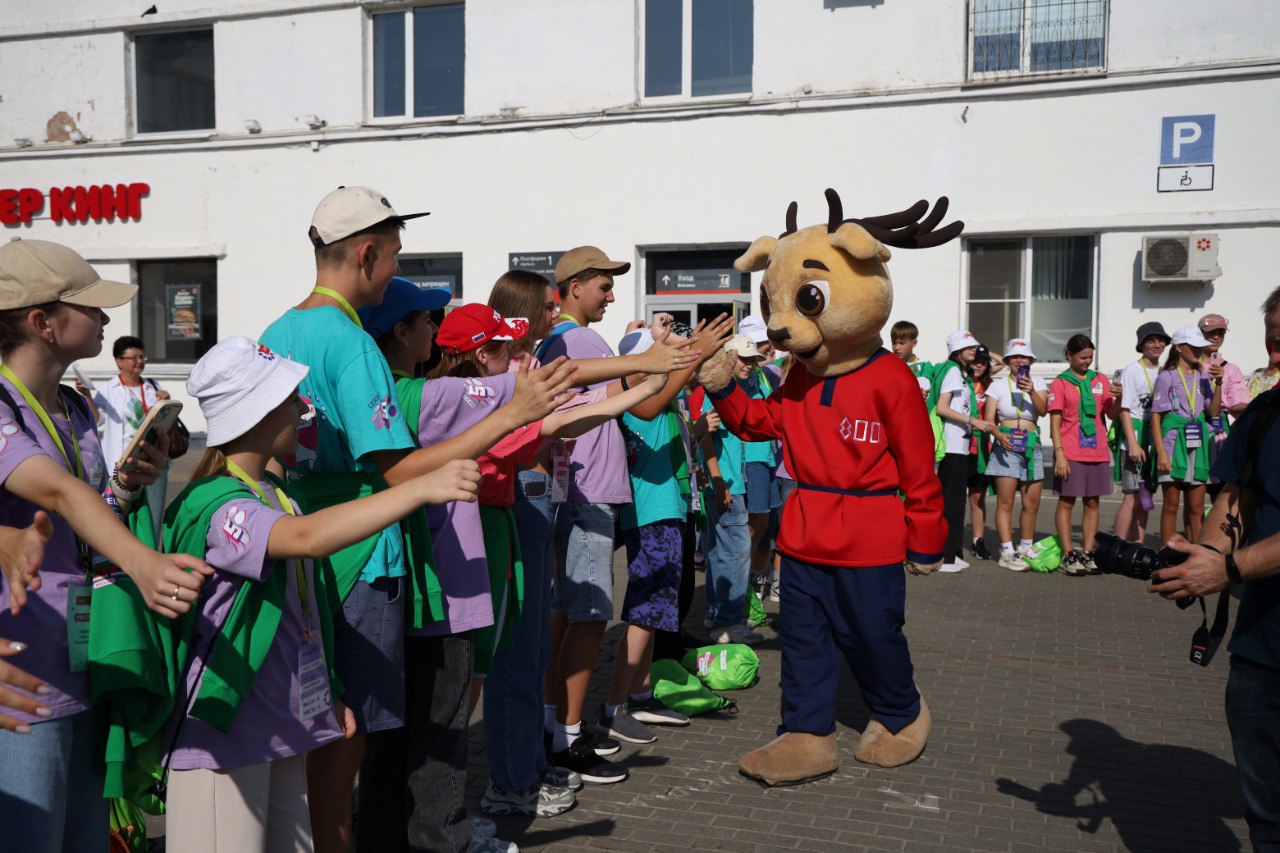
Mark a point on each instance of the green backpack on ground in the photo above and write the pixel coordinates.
(1045, 555)
(754, 611)
(678, 689)
(733, 666)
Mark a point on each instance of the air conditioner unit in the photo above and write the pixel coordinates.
(1180, 257)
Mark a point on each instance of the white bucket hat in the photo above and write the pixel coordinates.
(1019, 346)
(237, 383)
(960, 339)
(635, 342)
(753, 327)
(1190, 335)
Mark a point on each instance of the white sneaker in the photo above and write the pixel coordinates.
(479, 844)
(952, 568)
(736, 634)
(1011, 561)
(963, 564)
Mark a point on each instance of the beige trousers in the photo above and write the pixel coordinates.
(256, 809)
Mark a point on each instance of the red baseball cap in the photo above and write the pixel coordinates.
(473, 325)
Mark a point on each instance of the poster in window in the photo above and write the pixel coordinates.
(182, 310)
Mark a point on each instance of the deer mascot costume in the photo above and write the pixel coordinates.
(856, 437)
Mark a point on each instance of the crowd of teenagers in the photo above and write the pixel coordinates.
(395, 520)
(1152, 427)
(396, 517)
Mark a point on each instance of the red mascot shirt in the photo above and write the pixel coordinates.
(852, 443)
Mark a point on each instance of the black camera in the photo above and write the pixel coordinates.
(1120, 557)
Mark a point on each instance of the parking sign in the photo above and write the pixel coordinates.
(1186, 140)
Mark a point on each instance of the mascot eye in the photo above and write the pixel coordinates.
(812, 298)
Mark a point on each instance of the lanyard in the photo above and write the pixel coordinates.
(47, 423)
(1147, 376)
(400, 374)
(1022, 403)
(1191, 396)
(342, 303)
(573, 320)
(142, 394)
(303, 597)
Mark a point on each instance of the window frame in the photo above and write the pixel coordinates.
(1046, 362)
(686, 63)
(371, 59)
(131, 54)
(1023, 71)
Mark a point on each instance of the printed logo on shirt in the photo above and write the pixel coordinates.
(304, 458)
(1097, 387)
(233, 528)
(478, 392)
(866, 431)
(7, 428)
(383, 412)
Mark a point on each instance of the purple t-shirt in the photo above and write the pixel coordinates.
(1169, 394)
(267, 726)
(451, 406)
(42, 624)
(598, 463)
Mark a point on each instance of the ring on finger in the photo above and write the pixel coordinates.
(174, 596)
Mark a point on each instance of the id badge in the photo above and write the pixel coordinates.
(1088, 442)
(78, 598)
(1215, 423)
(559, 473)
(1018, 438)
(314, 696)
(695, 494)
(1195, 435)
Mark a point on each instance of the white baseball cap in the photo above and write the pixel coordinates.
(1189, 335)
(960, 339)
(753, 327)
(743, 347)
(348, 210)
(1019, 346)
(635, 342)
(238, 382)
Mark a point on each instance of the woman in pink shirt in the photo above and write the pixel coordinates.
(1078, 399)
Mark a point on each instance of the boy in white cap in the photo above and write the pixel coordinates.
(958, 408)
(355, 440)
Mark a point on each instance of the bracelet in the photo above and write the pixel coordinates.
(1233, 571)
(118, 484)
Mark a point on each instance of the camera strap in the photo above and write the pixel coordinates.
(1205, 641)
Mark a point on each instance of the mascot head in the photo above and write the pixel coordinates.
(826, 292)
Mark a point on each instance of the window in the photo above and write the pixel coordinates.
(418, 61)
(1009, 38)
(436, 271)
(174, 74)
(178, 308)
(697, 47)
(1039, 288)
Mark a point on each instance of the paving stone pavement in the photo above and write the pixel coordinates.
(1066, 716)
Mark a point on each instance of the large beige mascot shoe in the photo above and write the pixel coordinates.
(791, 759)
(880, 747)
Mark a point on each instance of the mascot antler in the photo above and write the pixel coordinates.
(902, 230)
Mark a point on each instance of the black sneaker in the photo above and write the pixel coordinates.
(1073, 564)
(580, 758)
(600, 744)
(652, 712)
(623, 726)
(980, 551)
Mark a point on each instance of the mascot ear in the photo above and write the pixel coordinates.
(756, 257)
(855, 240)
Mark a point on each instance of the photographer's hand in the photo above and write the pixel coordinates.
(1203, 573)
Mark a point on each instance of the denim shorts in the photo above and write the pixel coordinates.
(762, 489)
(368, 651)
(1006, 463)
(582, 587)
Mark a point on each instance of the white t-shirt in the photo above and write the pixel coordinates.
(1012, 402)
(1139, 384)
(956, 435)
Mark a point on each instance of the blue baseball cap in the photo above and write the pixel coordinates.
(402, 298)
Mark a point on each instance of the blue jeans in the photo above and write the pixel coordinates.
(50, 797)
(1253, 715)
(513, 692)
(728, 562)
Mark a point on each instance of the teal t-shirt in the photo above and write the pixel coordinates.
(355, 410)
(650, 457)
(761, 451)
(729, 449)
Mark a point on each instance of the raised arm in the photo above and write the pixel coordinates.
(582, 419)
(329, 530)
(707, 339)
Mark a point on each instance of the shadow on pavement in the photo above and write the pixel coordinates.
(1159, 797)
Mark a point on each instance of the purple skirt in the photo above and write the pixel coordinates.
(1085, 480)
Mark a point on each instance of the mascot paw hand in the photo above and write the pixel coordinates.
(923, 568)
(717, 371)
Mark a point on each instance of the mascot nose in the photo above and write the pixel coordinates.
(779, 335)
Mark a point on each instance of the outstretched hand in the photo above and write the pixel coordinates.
(458, 480)
(711, 337)
(668, 353)
(21, 553)
(540, 391)
(11, 700)
(169, 583)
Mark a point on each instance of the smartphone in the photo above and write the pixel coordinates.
(161, 418)
(84, 380)
(1024, 372)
